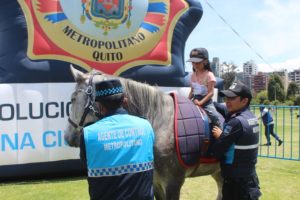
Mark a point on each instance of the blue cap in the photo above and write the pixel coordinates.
(108, 88)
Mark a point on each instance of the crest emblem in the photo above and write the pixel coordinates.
(107, 14)
(233, 86)
(137, 32)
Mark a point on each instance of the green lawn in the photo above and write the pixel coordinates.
(280, 179)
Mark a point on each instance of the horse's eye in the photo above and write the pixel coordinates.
(73, 100)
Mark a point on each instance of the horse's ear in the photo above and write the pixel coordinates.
(95, 71)
(78, 75)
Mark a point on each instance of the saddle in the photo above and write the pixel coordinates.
(192, 132)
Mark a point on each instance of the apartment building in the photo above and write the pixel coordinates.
(259, 82)
(295, 76)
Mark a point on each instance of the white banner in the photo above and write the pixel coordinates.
(33, 118)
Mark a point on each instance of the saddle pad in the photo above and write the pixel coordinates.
(191, 131)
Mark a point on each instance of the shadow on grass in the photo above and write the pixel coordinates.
(57, 178)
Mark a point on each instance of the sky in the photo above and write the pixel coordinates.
(270, 27)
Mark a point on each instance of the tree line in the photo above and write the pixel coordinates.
(274, 94)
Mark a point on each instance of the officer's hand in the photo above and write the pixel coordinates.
(216, 131)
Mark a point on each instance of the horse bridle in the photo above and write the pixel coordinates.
(89, 106)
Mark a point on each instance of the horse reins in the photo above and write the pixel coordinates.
(89, 106)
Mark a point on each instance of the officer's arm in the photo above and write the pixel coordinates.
(230, 134)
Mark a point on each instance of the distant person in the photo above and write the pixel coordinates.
(269, 125)
(237, 146)
(203, 83)
(118, 149)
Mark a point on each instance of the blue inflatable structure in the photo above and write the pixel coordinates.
(36, 38)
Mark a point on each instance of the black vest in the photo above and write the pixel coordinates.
(244, 151)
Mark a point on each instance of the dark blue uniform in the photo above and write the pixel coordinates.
(118, 152)
(237, 149)
(269, 126)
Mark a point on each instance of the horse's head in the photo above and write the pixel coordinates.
(83, 108)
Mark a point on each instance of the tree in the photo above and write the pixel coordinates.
(293, 89)
(228, 73)
(297, 100)
(275, 88)
(261, 97)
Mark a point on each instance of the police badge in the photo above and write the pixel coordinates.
(137, 32)
(107, 14)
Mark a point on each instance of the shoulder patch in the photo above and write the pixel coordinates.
(227, 129)
(255, 129)
(252, 121)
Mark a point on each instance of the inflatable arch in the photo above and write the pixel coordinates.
(139, 39)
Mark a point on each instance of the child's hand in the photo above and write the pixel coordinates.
(197, 102)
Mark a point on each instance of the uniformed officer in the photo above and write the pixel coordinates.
(118, 149)
(269, 126)
(237, 145)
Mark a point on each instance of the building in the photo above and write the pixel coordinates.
(295, 76)
(249, 70)
(259, 82)
(247, 80)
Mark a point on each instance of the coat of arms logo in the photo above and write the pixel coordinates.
(107, 14)
(137, 32)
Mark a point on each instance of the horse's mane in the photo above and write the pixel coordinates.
(143, 100)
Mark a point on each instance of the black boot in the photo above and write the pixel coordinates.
(267, 144)
(280, 142)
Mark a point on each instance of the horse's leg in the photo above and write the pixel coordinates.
(167, 187)
(219, 180)
(159, 192)
(168, 180)
(159, 188)
(173, 187)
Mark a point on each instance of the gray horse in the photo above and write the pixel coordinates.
(149, 102)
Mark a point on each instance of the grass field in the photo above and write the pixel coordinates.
(279, 179)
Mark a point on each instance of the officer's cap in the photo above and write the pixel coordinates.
(237, 89)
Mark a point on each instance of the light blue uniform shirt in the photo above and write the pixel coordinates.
(119, 144)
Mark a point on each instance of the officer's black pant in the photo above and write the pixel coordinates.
(241, 188)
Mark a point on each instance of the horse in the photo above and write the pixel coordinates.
(156, 106)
